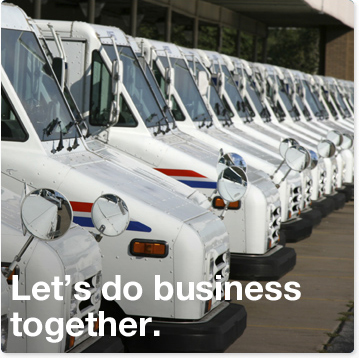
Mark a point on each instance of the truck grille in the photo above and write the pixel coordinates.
(219, 272)
(322, 181)
(296, 197)
(308, 191)
(274, 226)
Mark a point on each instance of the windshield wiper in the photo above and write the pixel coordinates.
(51, 126)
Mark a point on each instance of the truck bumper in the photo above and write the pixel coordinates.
(324, 205)
(105, 344)
(312, 215)
(214, 333)
(270, 266)
(348, 190)
(295, 230)
(339, 200)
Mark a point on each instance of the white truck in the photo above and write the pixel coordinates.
(199, 122)
(316, 118)
(42, 261)
(284, 117)
(232, 121)
(297, 123)
(145, 132)
(168, 235)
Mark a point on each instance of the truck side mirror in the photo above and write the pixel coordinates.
(348, 141)
(47, 215)
(117, 75)
(230, 159)
(110, 215)
(59, 66)
(313, 158)
(326, 148)
(285, 144)
(336, 137)
(297, 158)
(232, 183)
(170, 80)
(202, 82)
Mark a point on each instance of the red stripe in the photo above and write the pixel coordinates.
(84, 207)
(180, 173)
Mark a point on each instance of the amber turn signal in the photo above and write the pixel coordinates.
(149, 248)
(218, 203)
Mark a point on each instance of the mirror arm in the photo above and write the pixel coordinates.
(280, 165)
(210, 198)
(286, 174)
(17, 258)
(224, 211)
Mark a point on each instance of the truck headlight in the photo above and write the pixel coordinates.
(4, 331)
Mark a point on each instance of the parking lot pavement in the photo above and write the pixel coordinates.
(325, 272)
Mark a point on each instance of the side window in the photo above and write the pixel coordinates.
(159, 78)
(11, 127)
(176, 110)
(101, 92)
(127, 119)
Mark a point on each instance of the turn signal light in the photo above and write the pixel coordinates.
(96, 325)
(70, 341)
(218, 203)
(150, 248)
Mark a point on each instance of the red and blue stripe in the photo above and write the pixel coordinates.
(82, 217)
(189, 177)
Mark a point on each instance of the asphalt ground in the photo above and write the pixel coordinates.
(325, 272)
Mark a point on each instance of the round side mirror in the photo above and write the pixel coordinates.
(313, 159)
(46, 214)
(326, 148)
(230, 159)
(348, 141)
(232, 183)
(110, 215)
(297, 158)
(285, 144)
(336, 137)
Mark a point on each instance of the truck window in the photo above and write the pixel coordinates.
(31, 76)
(11, 127)
(137, 86)
(101, 92)
(127, 119)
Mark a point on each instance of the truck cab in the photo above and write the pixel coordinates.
(151, 136)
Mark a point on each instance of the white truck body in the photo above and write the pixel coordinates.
(236, 128)
(290, 128)
(43, 261)
(158, 213)
(319, 125)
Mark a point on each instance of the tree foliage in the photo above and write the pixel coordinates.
(295, 48)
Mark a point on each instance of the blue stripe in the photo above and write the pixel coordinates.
(132, 226)
(137, 226)
(200, 184)
(83, 221)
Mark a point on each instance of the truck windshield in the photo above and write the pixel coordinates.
(233, 93)
(313, 101)
(187, 89)
(156, 90)
(339, 100)
(292, 109)
(137, 86)
(220, 109)
(31, 76)
(255, 97)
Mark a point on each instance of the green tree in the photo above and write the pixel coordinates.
(295, 48)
